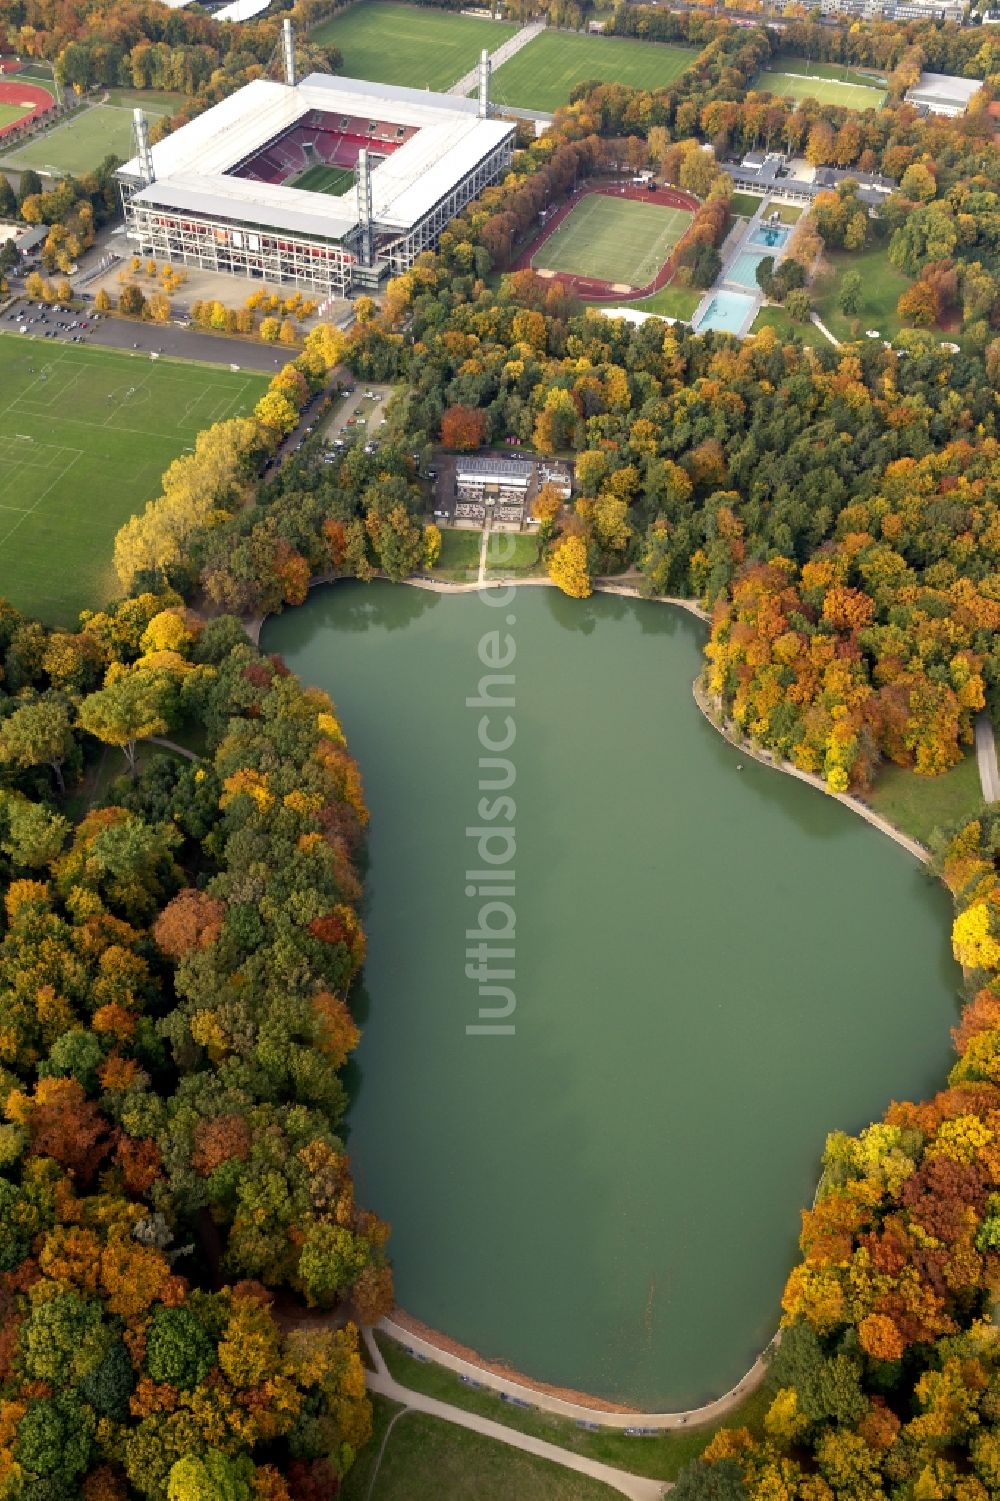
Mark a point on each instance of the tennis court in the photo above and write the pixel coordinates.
(613, 239)
(323, 179)
(85, 435)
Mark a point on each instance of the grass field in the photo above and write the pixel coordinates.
(80, 144)
(85, 435)
(511, 552)
(542, 75)
(161, 101)
(671, 302)
(426, 1459)
(787, 328)
(323, 179)
(745, 205)
(788, 213)
(919, 805)
(9, 113)
(661, 1457)
(881, 287)
(407, 44)
(459, 560)
(614, 239)
(829, 83)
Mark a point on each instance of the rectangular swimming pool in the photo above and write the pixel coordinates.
(726, 313)
(744, 268)
(769, 236)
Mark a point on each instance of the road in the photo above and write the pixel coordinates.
(986, 757)
(635, 1486)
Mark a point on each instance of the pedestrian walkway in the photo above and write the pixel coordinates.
(468, 81)
(380, 1381)
(986, 757)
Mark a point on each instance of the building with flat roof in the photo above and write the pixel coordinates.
(943, 93)
(222, 192)
(897, 10)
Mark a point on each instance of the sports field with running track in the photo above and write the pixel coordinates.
(613, 239)
(81, 143)
(85, 435)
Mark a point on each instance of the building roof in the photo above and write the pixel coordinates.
(450, 140)
(241, 10)
(486, 464)
(944, 89)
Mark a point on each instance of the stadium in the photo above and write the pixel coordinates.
(328, 184)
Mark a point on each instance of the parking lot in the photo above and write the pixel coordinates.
(358, 417)
(49, 321)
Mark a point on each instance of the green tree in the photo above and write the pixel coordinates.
(130, 707)
(721, 1481)
(37, 734)
(849, 292)
(178, 1351)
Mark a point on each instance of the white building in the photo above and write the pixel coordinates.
(221, 194)
(943, 93)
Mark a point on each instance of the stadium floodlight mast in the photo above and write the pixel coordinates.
(484, 84)
(364, 182)
(140, 137)
(288, 52)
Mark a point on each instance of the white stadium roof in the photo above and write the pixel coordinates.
(241, 10)
(191, 164)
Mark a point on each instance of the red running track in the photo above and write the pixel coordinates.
(35, 100)
(586, 286)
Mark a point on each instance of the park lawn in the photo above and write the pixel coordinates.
(881, 288)
(407, 44)
(80, 144)
(543, 74)
(427, 1459)
(85, 434)
(745, 205)
(919, 805)
(459, 560)
(158, 101)
(788, 213)
(786, 328)
(671, 301)
(615, 239)
(321, 178)
(660, 1458)
(503, 558)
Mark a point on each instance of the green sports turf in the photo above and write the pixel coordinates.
(408, 44)
(827, 85)
(80, 144)
(85, 435)
(323, 179)
(613, 239)
(543, 74)
(11, 112)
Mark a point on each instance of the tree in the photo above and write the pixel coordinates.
(37, 734)
(463, 428)
(132, 300)
(721, 1481)
(849, 292)
(130, 707)
(798, 305)
(567, 567)
(919, 305)
(8, 202)
(178, 1350)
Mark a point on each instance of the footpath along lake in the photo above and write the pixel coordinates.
(713, 968)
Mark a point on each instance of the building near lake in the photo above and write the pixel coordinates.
(329, 184)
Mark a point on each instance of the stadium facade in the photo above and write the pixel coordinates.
(220, 192)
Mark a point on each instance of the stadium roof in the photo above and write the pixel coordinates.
(192, 162)
(241, 10)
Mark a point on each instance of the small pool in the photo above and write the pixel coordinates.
(769, 236)
(743, 271)
(726, 313)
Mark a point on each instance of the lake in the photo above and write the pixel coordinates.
(710, 969)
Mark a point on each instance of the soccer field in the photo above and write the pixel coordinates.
(544, 73)
(85, 435)
(618, 240)
(426, 49)
(323, 179)
(81, 144)
(828, 84)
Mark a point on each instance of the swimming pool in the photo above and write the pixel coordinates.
(726, 313)
(769, 236)
(744, 268)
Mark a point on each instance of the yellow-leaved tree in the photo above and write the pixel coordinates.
(567, 565)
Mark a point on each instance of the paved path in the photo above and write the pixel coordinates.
(171, 745)
(483, 549)
(815, 318)
(986, 756)
(379, 1380)
(470, 80)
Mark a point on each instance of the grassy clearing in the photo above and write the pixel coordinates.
(358, 1483)
(919, 805)
(882, 285)
(786, 328)
(671, 302)
(426, 1459)
(745, 205)
(543, 75)
(614, 239)
(323, 179)
(660, 1458)
(788, 213)
(159, 101)
(9, 113)
(511, 552)
(80, 144)
(409, 45)
(85, 435)
(459, 560)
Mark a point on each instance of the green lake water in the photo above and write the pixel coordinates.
(714, 968)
